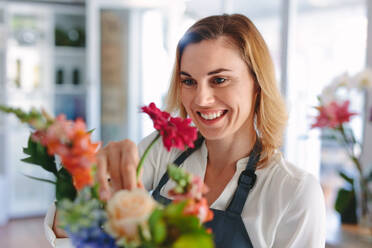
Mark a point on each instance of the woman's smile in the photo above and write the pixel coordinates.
(210, 117)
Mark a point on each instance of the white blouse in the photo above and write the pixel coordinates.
(285, 208)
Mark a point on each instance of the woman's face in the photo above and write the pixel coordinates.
(217, 89)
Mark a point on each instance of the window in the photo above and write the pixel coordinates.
(329, 38)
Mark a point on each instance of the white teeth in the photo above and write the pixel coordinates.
(211, 116)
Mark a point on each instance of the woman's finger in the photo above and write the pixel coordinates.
(102, 176)
(114, 154)
(129, 162)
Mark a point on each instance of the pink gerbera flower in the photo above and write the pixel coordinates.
(176, 132)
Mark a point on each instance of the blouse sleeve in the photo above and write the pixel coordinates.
(303, 222)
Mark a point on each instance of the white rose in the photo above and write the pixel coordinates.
(126, 211)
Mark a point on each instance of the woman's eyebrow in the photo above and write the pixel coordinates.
(209, 73)
(218, 71)
(185, 73)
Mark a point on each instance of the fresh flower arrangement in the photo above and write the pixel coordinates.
(129, 219)
(334, 115)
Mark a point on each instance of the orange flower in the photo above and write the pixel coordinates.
(72, 143)
(81, 177)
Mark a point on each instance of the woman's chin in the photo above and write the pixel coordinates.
(212, 134)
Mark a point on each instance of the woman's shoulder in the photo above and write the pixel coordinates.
(292, 203)
(279, 168)
(290, 182)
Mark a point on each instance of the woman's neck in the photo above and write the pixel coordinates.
(229, 150)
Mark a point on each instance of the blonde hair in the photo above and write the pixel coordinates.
(270, 111)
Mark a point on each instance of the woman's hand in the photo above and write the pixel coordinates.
(116, 167)
(60, 233)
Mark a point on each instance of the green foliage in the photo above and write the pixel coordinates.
(64, 186)
(195, 240)
(158, 227)
(84, 211)
(344, 196)
(175, 209)
(180, 176)
(40, 179)
(38, 155)
(35, 118)
(170, 228)
(347, 178)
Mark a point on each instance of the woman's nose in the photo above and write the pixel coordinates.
(204, 95)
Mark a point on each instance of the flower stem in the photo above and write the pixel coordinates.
(140, 164)
(350, 149)
(363, 183)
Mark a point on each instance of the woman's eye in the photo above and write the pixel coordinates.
(187, 82)
(219, 80)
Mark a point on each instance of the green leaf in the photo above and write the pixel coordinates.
(180, 176)
(34, 117)
(65, 187)
(347, 178)
(186, 223)
(195, 240)
(343, 199)
(38, 155)
(157, 225)
(40, 179)
(174, 209)
(91, 131)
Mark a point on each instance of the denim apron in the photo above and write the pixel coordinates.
(227, 226)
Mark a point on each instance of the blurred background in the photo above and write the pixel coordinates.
(102, 59)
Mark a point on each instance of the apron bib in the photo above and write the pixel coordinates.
(227, 226)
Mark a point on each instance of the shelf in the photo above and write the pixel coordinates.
(64, 51)
(13, 91)
(69, 89)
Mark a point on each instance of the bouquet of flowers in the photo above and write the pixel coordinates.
(334, 115)
(130, 218)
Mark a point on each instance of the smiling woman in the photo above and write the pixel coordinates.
(224, 80)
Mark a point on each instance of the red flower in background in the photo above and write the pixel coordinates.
(333, 115)
(176, 132)
(72, 143)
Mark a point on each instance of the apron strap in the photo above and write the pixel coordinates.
(164, 179)
(246, 182)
